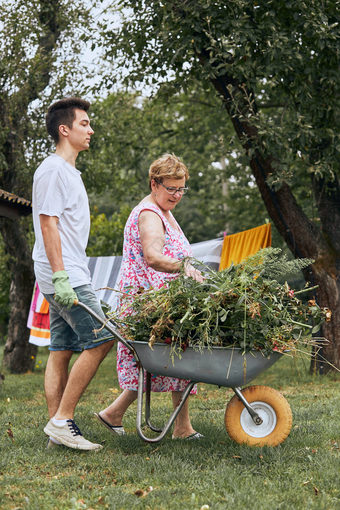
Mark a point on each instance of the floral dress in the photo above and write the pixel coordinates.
(135, 273)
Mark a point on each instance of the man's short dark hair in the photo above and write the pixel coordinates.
(63, 112)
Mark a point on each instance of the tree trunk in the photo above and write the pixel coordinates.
(328, 295)
(19, 355)
(327, 270)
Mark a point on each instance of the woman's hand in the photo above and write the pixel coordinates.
(194, 273)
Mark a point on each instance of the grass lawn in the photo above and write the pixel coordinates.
(216, 473)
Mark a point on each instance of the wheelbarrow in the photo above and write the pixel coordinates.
(256, 415)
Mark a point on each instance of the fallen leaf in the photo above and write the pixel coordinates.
(10, 432)
(316, 490)
(141, 493)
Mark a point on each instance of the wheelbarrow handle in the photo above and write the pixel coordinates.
(107, 325)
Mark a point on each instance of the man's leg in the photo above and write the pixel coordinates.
(79, 378)
(56, 375)
(73, 330)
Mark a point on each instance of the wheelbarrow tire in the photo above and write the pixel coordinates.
(271, 406)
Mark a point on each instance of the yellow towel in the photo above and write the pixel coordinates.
(238, 247)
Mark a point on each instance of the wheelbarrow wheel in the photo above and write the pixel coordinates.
(271, 406)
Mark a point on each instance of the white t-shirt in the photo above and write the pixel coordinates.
(58, 190)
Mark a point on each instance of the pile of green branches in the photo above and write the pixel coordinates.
(244, 306)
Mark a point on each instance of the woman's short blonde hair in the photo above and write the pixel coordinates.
(169, 166)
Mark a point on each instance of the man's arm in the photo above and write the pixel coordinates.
(64, 294)
(52, 242)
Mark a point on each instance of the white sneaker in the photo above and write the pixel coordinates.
(51, 444)
(70, 435)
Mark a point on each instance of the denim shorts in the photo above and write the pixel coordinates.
(74, 329)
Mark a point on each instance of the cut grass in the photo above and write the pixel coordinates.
(302, 473)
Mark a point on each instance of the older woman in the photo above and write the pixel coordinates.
(154, 248)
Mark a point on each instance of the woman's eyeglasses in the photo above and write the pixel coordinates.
(172, 191)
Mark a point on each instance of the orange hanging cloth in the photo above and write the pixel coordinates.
(238, 247)
(39, 319)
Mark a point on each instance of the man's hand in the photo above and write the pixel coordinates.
(64, 294)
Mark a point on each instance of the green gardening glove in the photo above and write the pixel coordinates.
(64, 294)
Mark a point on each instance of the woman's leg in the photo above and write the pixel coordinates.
(182, 426)
(115, 412)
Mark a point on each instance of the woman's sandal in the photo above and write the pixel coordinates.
(118, 430)
(195, 435)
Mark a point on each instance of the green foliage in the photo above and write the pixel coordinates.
(107, 235)
(36, 68)
(284, 53)
(131, 131)
(193, 123)
(116, 160)
(244, 306)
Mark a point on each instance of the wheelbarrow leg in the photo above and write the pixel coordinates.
(172, 418)
(255, 417)
(148, 404)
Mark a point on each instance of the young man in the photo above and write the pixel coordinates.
(61, 220)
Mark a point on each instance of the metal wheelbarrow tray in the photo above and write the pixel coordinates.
(256, 415)
(223, 366)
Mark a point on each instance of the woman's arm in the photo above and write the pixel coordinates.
(152, 236)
